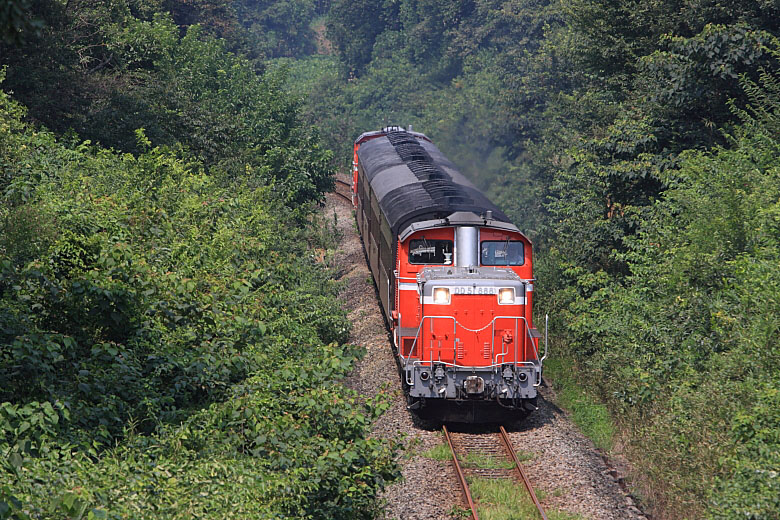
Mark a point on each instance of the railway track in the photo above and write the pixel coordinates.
(495, 458)
(343, 190)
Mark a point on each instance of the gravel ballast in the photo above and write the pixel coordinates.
(566, 466)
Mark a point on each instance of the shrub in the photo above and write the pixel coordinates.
(168, 345)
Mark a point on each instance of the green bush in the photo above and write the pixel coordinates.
(686, 347)
(168, 344)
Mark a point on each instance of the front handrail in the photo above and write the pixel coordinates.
(417, 336)
(407, 360)
(527, 330)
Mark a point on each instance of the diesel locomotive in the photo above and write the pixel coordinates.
(455, 281)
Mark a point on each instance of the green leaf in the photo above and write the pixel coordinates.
(16, 460)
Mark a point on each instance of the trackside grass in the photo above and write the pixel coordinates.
(591, 416)
(499, 499)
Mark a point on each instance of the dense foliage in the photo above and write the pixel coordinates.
(169, 345)
(169, 325)
(16, 20)
(636, 142)
(105, 69)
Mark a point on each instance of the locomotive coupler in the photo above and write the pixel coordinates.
(474, 385)
(438, 373)
(508, 373)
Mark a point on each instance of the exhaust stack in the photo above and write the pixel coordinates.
(466, 246)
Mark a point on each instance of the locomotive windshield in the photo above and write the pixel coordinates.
(502, 252)
(424, 251)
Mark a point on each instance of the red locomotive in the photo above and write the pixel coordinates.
(454, 277)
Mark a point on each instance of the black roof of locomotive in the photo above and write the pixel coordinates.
(413, 181)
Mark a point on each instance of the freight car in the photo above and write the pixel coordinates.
(455, 281)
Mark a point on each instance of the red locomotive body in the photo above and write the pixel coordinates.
(455, 280)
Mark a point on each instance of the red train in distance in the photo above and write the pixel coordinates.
(455, 281)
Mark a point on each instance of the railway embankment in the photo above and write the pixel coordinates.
(567, 470)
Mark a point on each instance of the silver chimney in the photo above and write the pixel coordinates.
(466, 246)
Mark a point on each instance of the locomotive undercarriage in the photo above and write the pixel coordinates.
(452, 393)
(470, 410)
(507, 381)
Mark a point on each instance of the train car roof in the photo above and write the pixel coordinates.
(384, 131)
(414, 182)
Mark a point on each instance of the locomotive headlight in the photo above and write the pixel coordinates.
(441, 295)
(506, 296)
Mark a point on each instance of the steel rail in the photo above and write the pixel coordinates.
(339, 182)
(345, 197)
(461, 476)
(523, 476)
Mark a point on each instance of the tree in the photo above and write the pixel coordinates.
(16, 20)
(353, 27)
